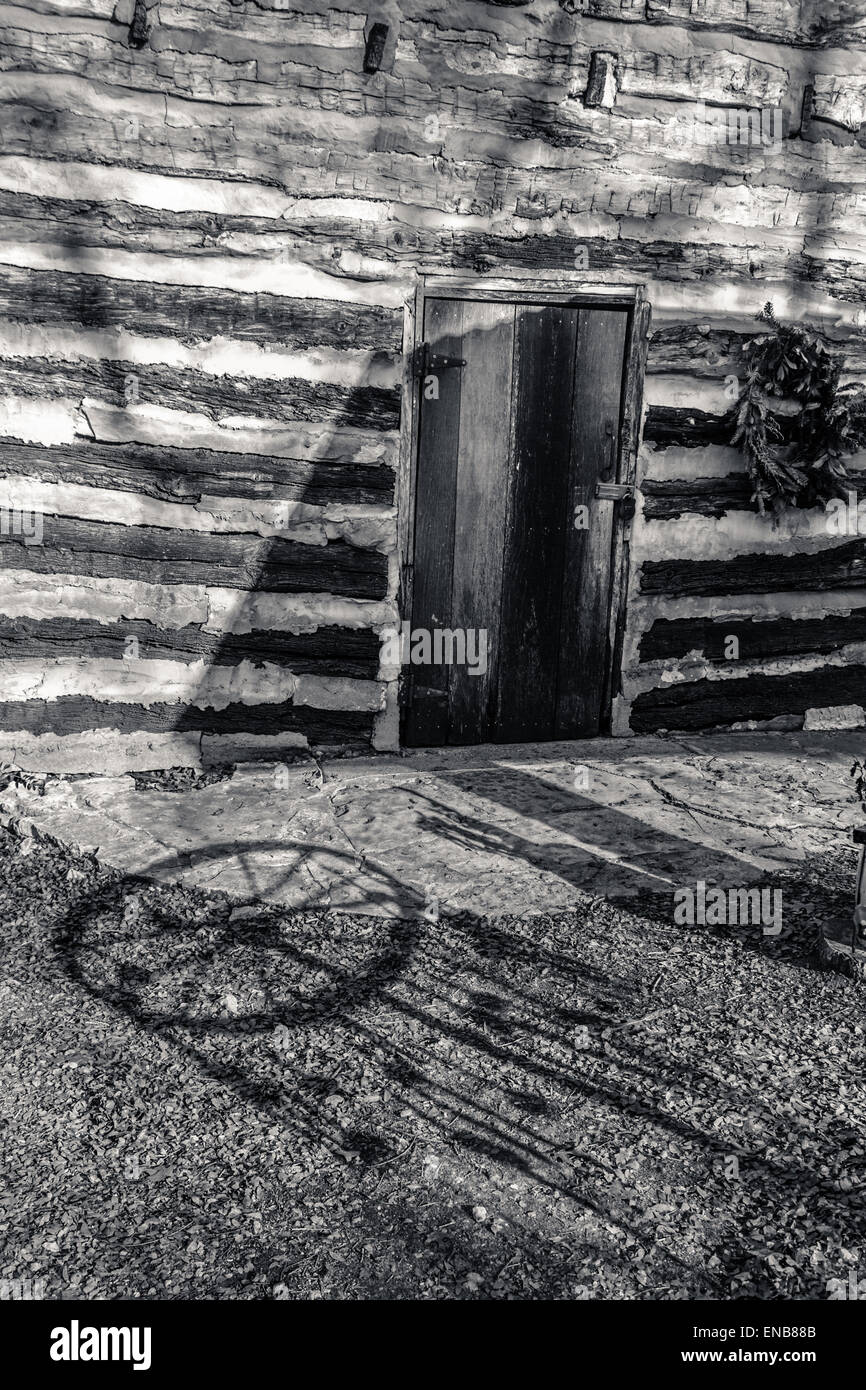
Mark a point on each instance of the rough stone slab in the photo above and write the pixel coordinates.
(835, 717)
(533, 828)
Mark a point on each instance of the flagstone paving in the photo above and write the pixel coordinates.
(532, 828)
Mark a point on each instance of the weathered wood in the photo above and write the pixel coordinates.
(758, 639)
(702, 351)
(211, 65)
(584, 625)
(687, 428)
(698, 350)
(666, 498)
(328, 651)
(336, 179)
(194, 314)
(707, 704)
(534, 553)
(375, 49)
(690, 186)
(228, 128)
(427, 713)
(363, 407)
(313, 242)
(837, 567)
(188, 475)
(268, 19)
(139, 29)
(839, 99)
(160, 555)
(630, 432)
(479, 524)
(72, 714)
(601, 83)
(721, 78)
(801, 23)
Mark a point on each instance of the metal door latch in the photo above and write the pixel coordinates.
(618, 492)
(614, 492)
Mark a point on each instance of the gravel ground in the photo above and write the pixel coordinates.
(204, 1102)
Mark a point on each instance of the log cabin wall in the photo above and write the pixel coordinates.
(212, 219)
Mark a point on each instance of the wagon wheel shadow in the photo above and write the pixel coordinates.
(205, 982)
(154, 966)
(171, 977)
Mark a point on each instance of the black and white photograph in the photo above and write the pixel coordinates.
(433, 664)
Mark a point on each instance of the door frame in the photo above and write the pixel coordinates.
(571, 291)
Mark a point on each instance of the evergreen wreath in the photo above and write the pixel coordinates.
(797, 460)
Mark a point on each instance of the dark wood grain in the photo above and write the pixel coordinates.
(707, 704)
(586, 588)
(160, 555)
(73, 714)
(328, 651)
(837, 567)
(669, 638)
(666, 498)
(192, 314)
(545, 339)
(188, 475)
(435, 510)
(482, 489)
(183, 388)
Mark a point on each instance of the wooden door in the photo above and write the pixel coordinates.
(520, 419)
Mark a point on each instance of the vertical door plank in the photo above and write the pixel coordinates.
(586, 590)
(435, 496)
(632, 410)
(482, 481)
(536, 523)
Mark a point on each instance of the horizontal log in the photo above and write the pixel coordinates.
(159, 555)
(796, 22)
(313, 241)
(328, 651)
(222, 68)
(481, 136)
(792, 195)
(330, 243)
(267, 19)
(715, 76)
(193, 315)
(800, 23)
(697, 350)
(666, 498)
(707, 704)
(701, 351)
(837, 567)
(758, 639)
(188, 475)
(724, 79)
(72, 714)
(402, 246)
(689, 428)
(657, 260)
(686, 427)
(182, 388)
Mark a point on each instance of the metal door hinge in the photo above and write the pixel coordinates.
(428, 361)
